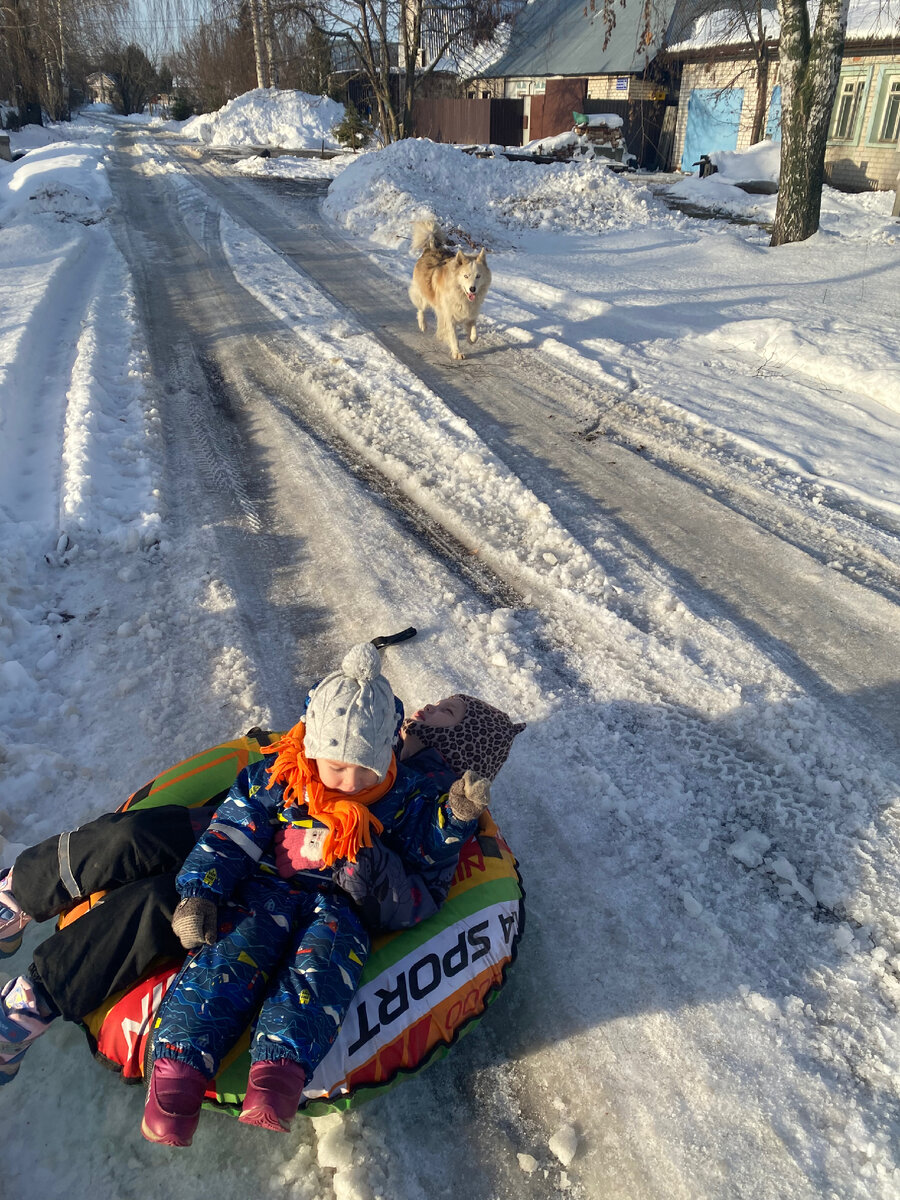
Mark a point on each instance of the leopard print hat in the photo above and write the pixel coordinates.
(480, 742)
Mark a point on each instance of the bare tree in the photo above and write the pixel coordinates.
(397, 44)
(216, 61)
(37, 41)
(307, 62)
(262, 71)
(268, 40)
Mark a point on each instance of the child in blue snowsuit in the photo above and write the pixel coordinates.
(133, 856)
(297, 943)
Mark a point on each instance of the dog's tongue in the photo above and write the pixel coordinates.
(471, 295)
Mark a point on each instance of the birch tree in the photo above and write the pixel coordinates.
(809, 68)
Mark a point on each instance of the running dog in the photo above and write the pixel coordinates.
(452, 283)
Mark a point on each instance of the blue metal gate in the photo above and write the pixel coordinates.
(712, 123)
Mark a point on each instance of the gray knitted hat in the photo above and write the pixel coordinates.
(350, 717)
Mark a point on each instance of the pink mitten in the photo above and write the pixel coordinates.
(298, 848)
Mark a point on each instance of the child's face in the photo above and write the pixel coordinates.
(345, 777)
(443, 715)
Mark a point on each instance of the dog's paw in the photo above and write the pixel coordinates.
(473, 336)
(458, 356)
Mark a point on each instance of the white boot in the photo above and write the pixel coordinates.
(13, 918)
(23, 1018)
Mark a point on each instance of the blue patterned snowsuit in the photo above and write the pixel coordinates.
(298, 945)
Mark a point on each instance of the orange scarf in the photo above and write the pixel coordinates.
(349, 823)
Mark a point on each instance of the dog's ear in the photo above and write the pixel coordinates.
(460, 257)
(482, 255)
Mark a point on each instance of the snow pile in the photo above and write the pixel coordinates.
(762, 161)
(613, 120)
(384, 191)
(547, 145)
(269, 117)
(60, 178)
(29, 137)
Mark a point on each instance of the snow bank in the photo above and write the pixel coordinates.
(60, 178)
(491, 199)
(29, 137)
(269, 117)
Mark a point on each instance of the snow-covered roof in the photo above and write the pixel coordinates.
(565, 37)
(696, 27)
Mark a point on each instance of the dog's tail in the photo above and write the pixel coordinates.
(426, 235)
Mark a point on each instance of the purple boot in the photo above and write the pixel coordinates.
(273, 1094)
(174, 1100)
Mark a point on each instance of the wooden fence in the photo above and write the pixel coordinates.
(483, 122)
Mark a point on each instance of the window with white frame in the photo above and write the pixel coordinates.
(848, 108)
(886, 125)
(530, 87)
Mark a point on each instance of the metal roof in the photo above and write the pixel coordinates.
(564, 37)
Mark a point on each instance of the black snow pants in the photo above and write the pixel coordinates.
(134, 856)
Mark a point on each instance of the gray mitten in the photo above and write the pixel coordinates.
(196, 922)
(469, 797)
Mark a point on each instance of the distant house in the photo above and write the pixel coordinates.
(718, 95)
(101, 88)
(561, 58)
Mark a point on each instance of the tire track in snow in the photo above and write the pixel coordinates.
(39, 367)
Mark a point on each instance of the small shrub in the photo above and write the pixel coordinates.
(353, 131)
(180, 109)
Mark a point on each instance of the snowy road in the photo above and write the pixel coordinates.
(745, 557)
(704, 803)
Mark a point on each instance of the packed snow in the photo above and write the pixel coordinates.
(268, 117)
(705, 1003)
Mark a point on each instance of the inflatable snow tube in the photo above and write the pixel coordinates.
(422, 988)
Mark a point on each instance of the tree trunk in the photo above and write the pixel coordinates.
(265, 13)
(63, 65)
(758, 128)
(809, 72)
(411, 37)
(261, 73)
